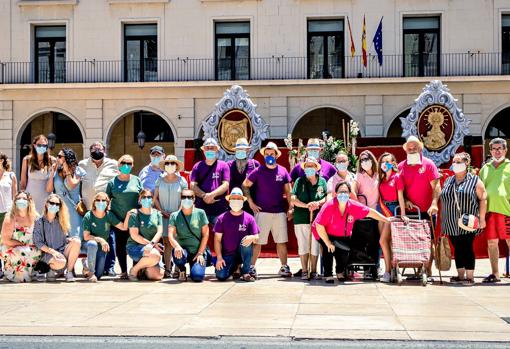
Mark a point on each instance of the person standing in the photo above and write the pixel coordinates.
(342, 173)
(8, 190)
(152, 172)
(367, 181)
(494, 176)
(270, 183)
(314, 150)
(210, 181)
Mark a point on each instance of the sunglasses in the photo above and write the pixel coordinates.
(170, 163)
(42, 145)
(187, 197)
(147, 197)
(51, 203)
(364, 159)
(126, 163)
(60, 156)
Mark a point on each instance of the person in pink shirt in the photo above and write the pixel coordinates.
(342, 173)
(333, 228)
(391, 190)
(367, 182)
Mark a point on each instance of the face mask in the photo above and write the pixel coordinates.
(187, 203)
(236, 205)
(21, 204)
(313, 154)
(341, 166)
(310, 171)
(386, 166)
(155, 160)
(146, 202)
(97, 155)
(170, 169)
(270, 160)
(499, 159)
(240, 154)
(53, 209)
(413, 159)
(41, 149)
(342, 197)
(125, 169)
(101, 205)
(458, 167)
(366, 165)
(210, 154)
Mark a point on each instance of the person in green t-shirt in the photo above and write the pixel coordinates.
(96, 230)
(308, 195)
(188, 232)
(123, 191)
(145, 230)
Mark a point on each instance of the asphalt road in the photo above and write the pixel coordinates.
(39, 342)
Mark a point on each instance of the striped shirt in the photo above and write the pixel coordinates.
(468, 202)
(49, 234)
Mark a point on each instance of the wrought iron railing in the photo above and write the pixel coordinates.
(270, 68)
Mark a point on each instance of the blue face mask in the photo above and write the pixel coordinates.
(53, 209)
(342, 197)
(270, 160)
(240, 154)
(187, 203)
(310, 171)
(313, 154)
(146, 202)
(21, 204)
(155, 160)
(41, 149)
(101, 205)
(210, 154)
(125, 169)
(386, 166)
(341, 166)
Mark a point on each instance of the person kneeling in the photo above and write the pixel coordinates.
(235, 232)
(145, 231)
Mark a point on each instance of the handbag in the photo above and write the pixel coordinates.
(80, 206)
(207, 252)
(466, 221)
(442, 252)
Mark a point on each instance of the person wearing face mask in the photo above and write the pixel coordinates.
(494, 176)
(367, 181)
(96, 230)
(462, 194)
(210, 181)
(152, 172)
(123, 191)
(308, 196)
(314, 150)
(145, 230)
(51, 236)
(8, 190)
(333, 229)
(35, 171)
(270, 183)
(188, 232)
(342, 173)
(235, 232)
(17, 239)
(167, 199)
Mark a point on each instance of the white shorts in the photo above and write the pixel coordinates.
(276, 223)
(303, 239)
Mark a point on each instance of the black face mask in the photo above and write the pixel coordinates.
(97, 155)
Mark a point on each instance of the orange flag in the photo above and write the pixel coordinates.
(353, 48)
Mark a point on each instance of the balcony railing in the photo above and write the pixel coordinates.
(271, 68)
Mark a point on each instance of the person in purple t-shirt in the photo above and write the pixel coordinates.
(269, 183)
(235, 232)
(313, 150)
(210, 180)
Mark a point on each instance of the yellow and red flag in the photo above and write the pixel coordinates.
(353, 48)
(364, 42)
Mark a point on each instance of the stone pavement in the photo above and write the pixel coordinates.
(269, 307)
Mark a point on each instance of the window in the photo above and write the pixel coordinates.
(421, 46)
(140, 52)
(154, 127)
(505, 44)
(232, 50)
(325, 49)
(50, 54)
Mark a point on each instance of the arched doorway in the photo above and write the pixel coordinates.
(122, 137)
(395, 129)
(498, 127)
(65, 129)
(313, 123)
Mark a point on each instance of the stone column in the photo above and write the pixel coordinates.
(7, 143)
(374, 123)
(93, 124)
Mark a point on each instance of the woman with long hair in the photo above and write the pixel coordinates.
(8, 189)
(51, 236)
(18, 250)
(35, 171)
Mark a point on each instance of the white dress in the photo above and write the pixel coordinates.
(36, 186)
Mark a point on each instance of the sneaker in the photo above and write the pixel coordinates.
(315, 276)
(85, 266)
(1, 274)
(112, 273)
(39, 277)
(299, 273)
(469, 282)
(285, 271)
(386, 278)
(92, 278)
(253, 272)
(51, 276)
(70, 277)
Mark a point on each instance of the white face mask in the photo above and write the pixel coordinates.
(413, 159)
(499, 159)
(459, 167)
(170, 169)
(236, 205)
(366, 165)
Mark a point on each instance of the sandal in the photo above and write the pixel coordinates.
(182, 276)
(315, 276)
(456, 280)
(304, 275)
(124, 276)
(491, 279)
(247, 278)
(330, 280)
(468, 282)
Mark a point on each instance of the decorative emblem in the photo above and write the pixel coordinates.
(320, 191)
(437, 121)
(235, 107)
(350, 219)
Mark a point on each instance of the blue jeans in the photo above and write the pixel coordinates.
(242, 256)
(96, 258)
(110, 257)
(197, 271)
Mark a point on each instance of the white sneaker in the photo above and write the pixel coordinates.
(70, 277)
(51, 276)
(386, 278)
(39, 277)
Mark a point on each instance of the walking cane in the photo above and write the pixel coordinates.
(436, 243)
(309, 266)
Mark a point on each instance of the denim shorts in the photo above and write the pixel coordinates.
(135, 251)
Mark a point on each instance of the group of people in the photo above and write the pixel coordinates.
(98, 209)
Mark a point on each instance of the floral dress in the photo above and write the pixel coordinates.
(19, 261)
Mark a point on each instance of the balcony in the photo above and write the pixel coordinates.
(271, 68)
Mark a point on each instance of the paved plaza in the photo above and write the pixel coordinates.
(272, 306)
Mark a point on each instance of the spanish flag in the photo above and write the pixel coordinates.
(353, 48)
(364, 42)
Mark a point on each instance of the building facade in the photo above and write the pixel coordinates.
(90, 70)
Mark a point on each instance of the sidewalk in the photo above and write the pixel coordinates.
(269, 307)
